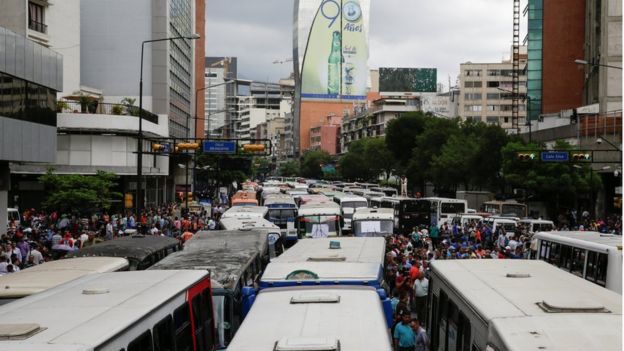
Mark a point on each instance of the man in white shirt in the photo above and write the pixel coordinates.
(421, 288)
(36, 255)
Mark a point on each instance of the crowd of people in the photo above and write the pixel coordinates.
(43, 236)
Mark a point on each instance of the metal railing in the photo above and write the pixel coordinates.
(98, 108)
(38, 26)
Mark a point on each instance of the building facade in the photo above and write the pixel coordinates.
(486, 93)
(220, 96)
(370, 121)
(556, 37)
(30, 77)
(326, 135)
(603, 48)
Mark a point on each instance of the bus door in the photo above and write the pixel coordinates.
(201, 314)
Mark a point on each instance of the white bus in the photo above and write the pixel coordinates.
(532, 226)
(592, 256)
(348, 204)
(246, 212)
(373, 222)
(518, 305)
(443, 208)
(236, 259)
(50, 274)
(131, 311)
(283, 213)
(327, 318)
(319, 220)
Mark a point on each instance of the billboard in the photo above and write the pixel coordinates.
(334, 43)
(415, 80)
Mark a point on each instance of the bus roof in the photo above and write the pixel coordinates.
(373, 213)
(348, 197)
(135, 247)
(279, 199)
(50, 274)
(277, 273)
(226, 253)
(587, 240)
(320, 209)
(235, 223)
(514, 289)
(369, 250)
(245, 211)
(87, 312)
(352, 317)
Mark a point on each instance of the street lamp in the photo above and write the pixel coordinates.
(586, 63)
(208, 87)
(139, 201)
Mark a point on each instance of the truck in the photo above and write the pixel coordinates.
(475, 198)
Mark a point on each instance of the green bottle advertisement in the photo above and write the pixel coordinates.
(334, 64)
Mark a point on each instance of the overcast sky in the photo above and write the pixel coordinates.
(403, 33)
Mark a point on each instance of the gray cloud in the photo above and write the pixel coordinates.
(440, 34)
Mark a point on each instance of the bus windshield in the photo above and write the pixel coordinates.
(517, 210)
(319, 226)
(452, 207)
(416, 206)
(281, 216)
(371, 227)
(509, 227)
(354, 204)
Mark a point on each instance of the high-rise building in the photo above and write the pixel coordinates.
(486, 92)
(603, 53)
(556, 37)
(200, 65)
(330, 57)
(219, 95)
(30, 77)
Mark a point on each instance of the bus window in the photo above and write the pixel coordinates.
(566, 258)
(208, 321)
(464, 336)
(433, 307)
(578, 261)
(142, 343)
(452, 327)
(182, 325)
(590, 270)
(442, 320)
(601, 269)
(163, 338)
(201, 320)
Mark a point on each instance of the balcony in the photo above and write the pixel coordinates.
(37, 26)
(97, 108)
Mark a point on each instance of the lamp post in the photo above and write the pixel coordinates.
(214, 112)
(139, 201)
(587, 63)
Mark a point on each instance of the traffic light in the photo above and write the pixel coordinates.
(581, 156)
(253, 148)
(159, 147)
(526, 155)
(187, 146)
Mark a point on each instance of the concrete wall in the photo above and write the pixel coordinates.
(63, 20)
(111, 32)
(22, 141)
(14, 16)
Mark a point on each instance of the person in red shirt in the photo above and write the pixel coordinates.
(413, 272)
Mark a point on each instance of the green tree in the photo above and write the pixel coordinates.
(222, 170)
(367, 159)
(560, 185)
(79, 193)
(451, 166)
(289, 169)
(311, 163)
(401, 133)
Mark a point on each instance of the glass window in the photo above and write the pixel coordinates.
(566, 257)
(163, 335)
(442, 318)
(601, 269)
(141, 343)
(590, 270)
(578, 261)
(464, 330)
(493, 96)
(182, 327)
(493, 84)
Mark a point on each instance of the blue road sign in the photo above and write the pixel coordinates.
(555, 156)
(219, 147)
